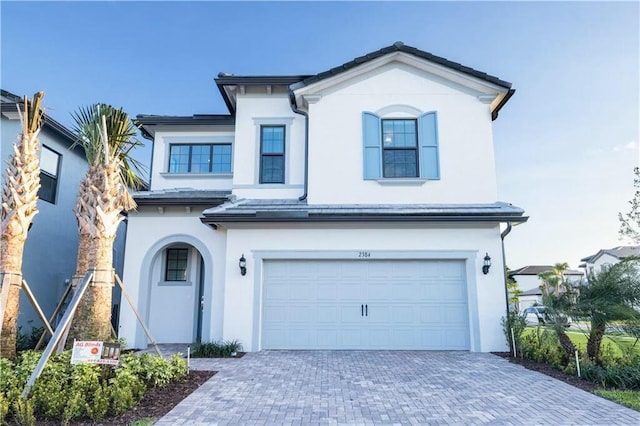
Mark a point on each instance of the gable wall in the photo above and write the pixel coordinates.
(465, 140)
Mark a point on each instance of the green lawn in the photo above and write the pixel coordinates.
(629, 399)
(616, 343)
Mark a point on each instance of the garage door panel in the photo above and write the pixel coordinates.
(402, 315)
(316, 304)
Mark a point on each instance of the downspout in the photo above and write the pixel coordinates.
(504, 265)
(294, 108)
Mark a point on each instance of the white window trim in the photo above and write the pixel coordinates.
(163, 273)
(272, 121)
(195, 140)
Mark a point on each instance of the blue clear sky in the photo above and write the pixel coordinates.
(566, 143)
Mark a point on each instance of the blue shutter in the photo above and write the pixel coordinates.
(372, 139)
(428, 139)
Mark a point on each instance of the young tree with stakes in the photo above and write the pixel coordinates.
(108, 138)
(19, 199)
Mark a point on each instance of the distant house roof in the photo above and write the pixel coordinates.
(299, 211)
(538, 269)
(9, 107)
(620, 252)
(297, 81)
(532, 292)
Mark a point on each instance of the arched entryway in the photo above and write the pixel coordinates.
(177, 270)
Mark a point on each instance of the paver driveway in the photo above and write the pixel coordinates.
(386, 387)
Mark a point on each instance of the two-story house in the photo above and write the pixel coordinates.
(352, 209)
(595, 262)
(51, 248)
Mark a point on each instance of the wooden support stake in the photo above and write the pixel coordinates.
(66, 320)
(4, 295)
(135, 310)
(34, 302)
(55, 314)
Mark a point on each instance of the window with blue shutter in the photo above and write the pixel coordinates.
(400, 147)
(372, 145)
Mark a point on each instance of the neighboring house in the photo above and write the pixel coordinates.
(52, 244)
(611, 256)
(351, 209)
(529, 282)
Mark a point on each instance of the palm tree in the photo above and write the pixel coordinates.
(611, 294)
(558, 270)
(19, 199)
(558, 301)
(108, 137)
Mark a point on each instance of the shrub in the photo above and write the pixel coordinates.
(26, 341)
(518, 324)
(543, 346)
(70, 392)
(216, 349)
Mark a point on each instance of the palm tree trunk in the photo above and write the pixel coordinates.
(19, 200)
(595, 341)
(566, 343)
(10, 322)
(92, 320)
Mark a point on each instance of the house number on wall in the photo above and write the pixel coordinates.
(364, 254)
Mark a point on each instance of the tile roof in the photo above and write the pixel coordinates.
(292, 210)
(620, 252)
(298, 81)
(538, 269)
(401, 47)
(532, 292)
(181, 196)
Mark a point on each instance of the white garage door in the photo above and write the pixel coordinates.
(371, 304)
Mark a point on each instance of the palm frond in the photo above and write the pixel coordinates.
(121, 139)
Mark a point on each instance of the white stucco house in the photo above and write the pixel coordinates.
(529, 281)
(352, 209)
(610, 256)
(50, 255)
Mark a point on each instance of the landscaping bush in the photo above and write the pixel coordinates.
(518, 324)
(26, 341)
(622, 377)
(543, 346)
(216, 349)
(69, 392)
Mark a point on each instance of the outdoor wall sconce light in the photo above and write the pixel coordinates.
(242, 263)
(487, 264)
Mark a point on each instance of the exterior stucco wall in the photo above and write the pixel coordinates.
(605, 259)
(149, 234)
(527, 282)
(254, 110)
(335, 134)
(52, 244)
(242, 296)
(161, 179)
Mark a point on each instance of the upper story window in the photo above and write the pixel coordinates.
(176, 264)
(49, 169)
(200, 158)
(400, 147)
(272, 151)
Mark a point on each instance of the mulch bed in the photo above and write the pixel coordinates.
(550, 371)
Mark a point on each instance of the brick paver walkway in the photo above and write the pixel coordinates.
(386, 387)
